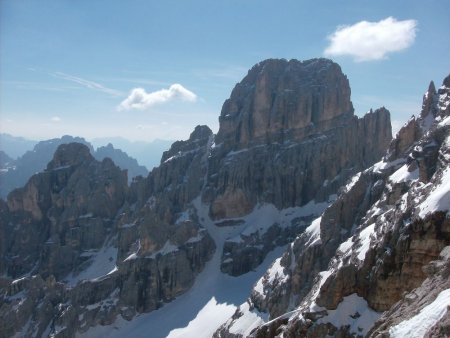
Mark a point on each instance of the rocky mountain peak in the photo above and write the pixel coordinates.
(428, 101)
(280, 99)
(70, 154)
(200, 132)
(446, 81)
(198, 138)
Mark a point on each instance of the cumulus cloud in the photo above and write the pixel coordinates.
(140, 99)
(55, 119)
(367, 41)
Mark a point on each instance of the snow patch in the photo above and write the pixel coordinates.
(207, 320)
(166, 249)
(417, 326)
(266, 215)
(103, 263)
(364, 238)
(403, 175)
(249, 320)
(275, 272)
(380, 166)
(313, 231)
(352, 182)
(354, 312)
(445, 122)
(345, 246)
(439, 198)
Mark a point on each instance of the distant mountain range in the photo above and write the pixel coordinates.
(15, 146)
(146, 153)
(20, 158)
(15, 173)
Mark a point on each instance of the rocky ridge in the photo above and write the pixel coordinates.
(113, 250)
(376, 261)
(288, 137)
(102, 249)
(18, 172)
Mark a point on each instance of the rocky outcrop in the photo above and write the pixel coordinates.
(18, 172)
(106, 249)
(381, 246)
(281, 123)
(411, 304)
(280, 100)
(67, 209)
(122, 160)
(31, 162)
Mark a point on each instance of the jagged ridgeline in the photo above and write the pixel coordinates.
(82, 250)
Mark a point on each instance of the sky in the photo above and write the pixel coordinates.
(146, 70)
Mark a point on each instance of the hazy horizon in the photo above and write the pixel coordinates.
(145, 70)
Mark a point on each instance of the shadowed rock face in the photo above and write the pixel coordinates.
(287, 128)
(62, 211)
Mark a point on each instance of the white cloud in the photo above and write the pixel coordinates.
(55, 119)
(140, 99)
(367, 41)
(87, 83)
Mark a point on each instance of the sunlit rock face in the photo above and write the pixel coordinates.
(287, 136)
(376, 263)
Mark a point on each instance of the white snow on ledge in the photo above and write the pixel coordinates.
(352, 182)
(265, 215)
(403, 175)
(439, 198)
(103, 264)
(364, 238)
(249, 320)
(380, 166)
(275, 272)
(417, 326)
(354, 312)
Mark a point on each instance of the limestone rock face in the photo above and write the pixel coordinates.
(122, 160)
(436, 282)
(63, 211)
(106, 249)
(283, 121)
(381, 246)
(32, 162)
(280, 99)
(287, 137)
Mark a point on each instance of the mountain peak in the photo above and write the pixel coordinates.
(279, 97)
(200, 132)
(70, 154)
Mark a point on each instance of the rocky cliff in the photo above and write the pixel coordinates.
(287, 137)
(282, 123)
(122, 160)
(376, 262)
(79, 237)
(87, 249)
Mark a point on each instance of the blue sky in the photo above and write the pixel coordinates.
(69, 67)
